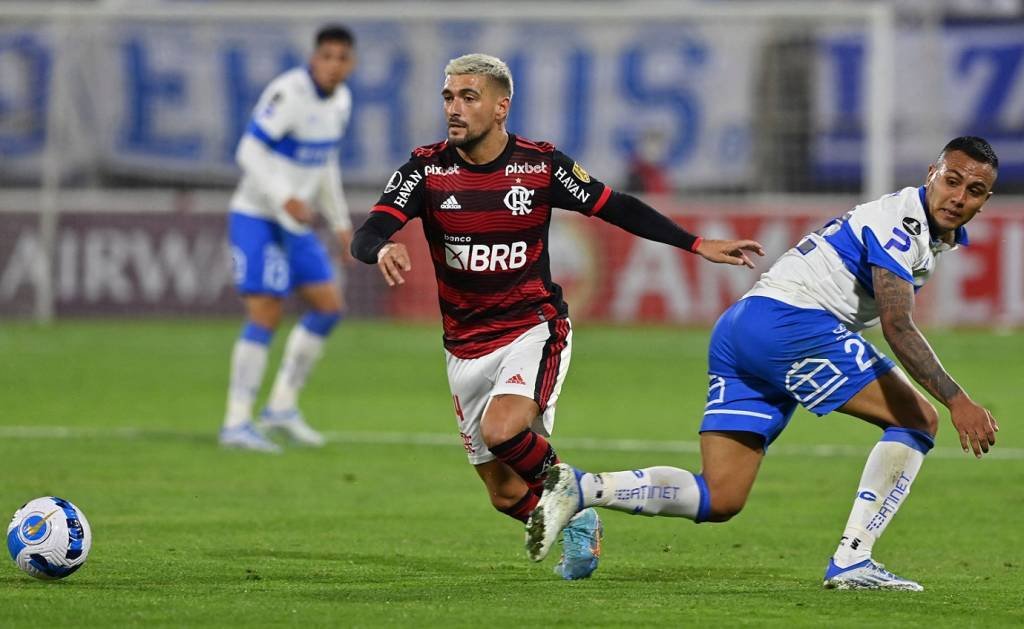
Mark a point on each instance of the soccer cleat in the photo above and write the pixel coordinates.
(581, 546)
(866, 575)
(293, 426)
(247, 437)
(561, 500)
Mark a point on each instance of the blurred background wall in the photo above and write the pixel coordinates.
(118, 123)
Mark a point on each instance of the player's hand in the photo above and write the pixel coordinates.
(299, 210)
(730, 251)
(974, 423)
(345, 238)
(392, 258)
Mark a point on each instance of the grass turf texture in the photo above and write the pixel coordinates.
(367, 534)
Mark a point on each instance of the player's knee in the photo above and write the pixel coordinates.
(496, 431)
(268, 320)
(266, 314)
(925, 418)
(325, 300)
(931, 419)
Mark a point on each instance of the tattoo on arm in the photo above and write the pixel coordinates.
(895, 299)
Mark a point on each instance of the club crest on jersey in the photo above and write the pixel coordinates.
(912, 225)
(519, 200)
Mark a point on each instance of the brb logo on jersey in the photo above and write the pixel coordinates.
(519, 200)
(459, 254)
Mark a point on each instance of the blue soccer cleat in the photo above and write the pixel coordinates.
(581, 546)
(247, 437)
(866, 575)
(292, 425)
(561, 500)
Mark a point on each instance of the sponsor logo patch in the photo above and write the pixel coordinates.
(394, 182)
(405, 191)
(451, 203)
(912, 225)
(480, 257)
(439, 171)
(520, 168)
(571, 185)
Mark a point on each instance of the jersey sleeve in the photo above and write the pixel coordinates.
(572, 187)
(275, 113)
(346, 108)
(889, 245)
(404, 193)
(332, 196)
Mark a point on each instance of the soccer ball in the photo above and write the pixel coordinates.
(49, 538)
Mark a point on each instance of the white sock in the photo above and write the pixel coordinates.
(300, 354)
(884, 486)
(661, 490)
(248, 362)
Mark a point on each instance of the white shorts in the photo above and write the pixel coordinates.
(534, 366)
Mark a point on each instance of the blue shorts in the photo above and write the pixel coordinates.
(766, 357)
(270, 260)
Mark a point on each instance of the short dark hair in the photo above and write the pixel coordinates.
(974, 147)
(335, 32)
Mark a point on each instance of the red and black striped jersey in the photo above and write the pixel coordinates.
(487, 230)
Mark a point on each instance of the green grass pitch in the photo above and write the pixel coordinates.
(388, 524)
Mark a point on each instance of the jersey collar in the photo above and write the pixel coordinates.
(496, 164)
(319, 92)
(959, 237)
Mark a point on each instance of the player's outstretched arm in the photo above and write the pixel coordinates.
(371, 245)
(638, 218)
(895, 299)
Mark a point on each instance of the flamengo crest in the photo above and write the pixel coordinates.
(519, 200)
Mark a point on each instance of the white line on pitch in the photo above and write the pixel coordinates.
(131, 433)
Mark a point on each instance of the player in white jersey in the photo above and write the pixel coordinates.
(793, 339)
(289, 159)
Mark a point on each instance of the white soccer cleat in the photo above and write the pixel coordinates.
(866, 575)
(247, 437)
(561, 500)
(291, 424)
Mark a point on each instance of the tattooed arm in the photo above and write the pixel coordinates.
(895, 299)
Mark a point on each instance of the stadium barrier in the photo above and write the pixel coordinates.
(170, 263)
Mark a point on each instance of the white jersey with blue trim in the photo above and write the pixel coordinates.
(290, 149)
(831, 269)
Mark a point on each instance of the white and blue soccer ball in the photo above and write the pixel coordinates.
(49, 538)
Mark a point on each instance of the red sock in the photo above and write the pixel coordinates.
(522, 509)
(529, 454)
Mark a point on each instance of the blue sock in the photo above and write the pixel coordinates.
(257, 333)
(320, 323)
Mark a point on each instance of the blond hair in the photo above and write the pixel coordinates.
(484, 65)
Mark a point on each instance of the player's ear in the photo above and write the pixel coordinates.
(502, 106)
